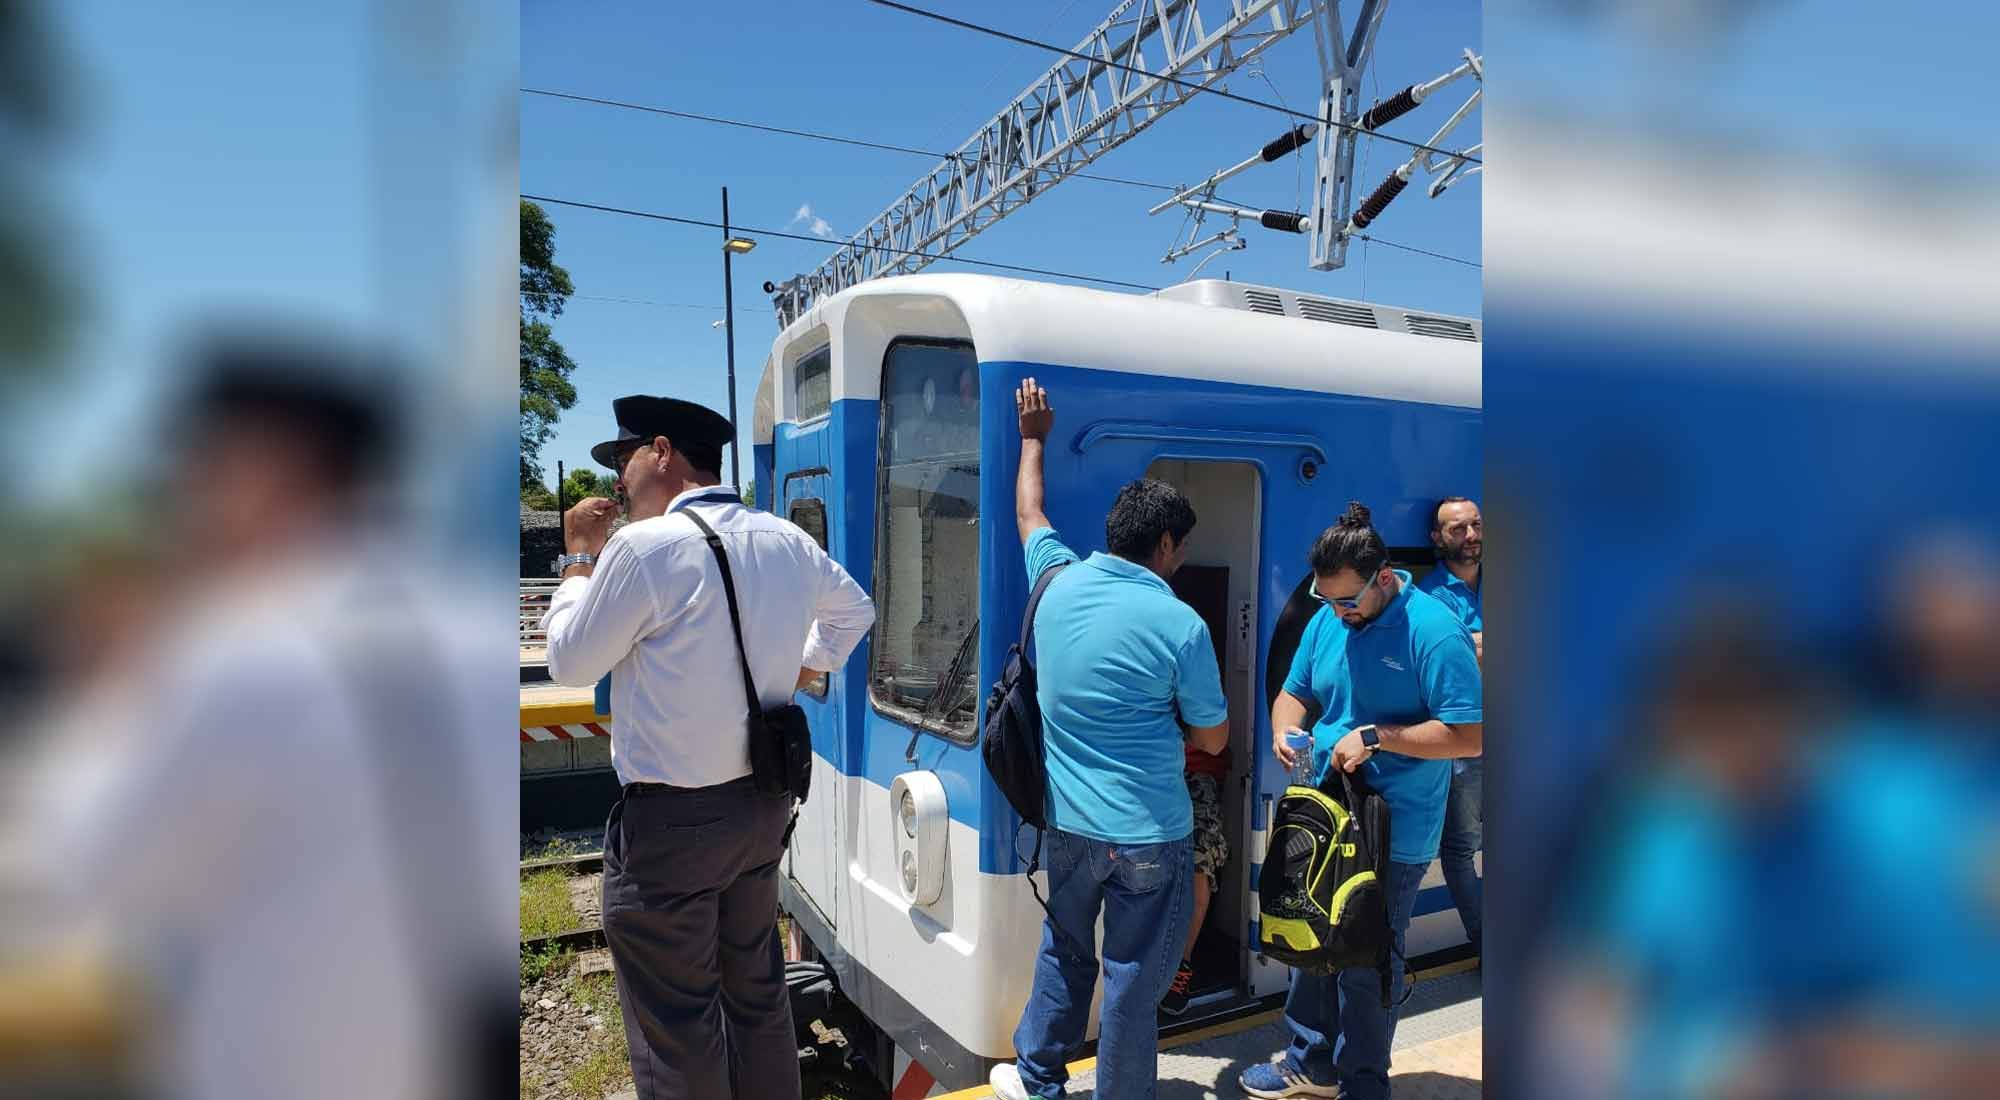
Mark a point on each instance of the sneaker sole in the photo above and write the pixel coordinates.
(1322, 1092)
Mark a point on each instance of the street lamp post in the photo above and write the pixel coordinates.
(731, 245)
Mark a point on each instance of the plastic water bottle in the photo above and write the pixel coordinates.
(1301, 744)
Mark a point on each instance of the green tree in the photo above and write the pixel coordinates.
(539, 497)
(750, 494)
(38, 314)
(583, 482)
(545, 368)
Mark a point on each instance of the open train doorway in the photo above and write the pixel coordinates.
(1219, 580)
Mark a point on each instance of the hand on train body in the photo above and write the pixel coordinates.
(1037, 417)
(587, 525)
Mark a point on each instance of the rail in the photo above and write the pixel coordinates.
(535, 595)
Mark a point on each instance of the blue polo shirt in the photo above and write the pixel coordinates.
(1412, 664)
(1462, 598)
(1116, 652)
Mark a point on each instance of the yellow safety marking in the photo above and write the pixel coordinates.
(560, 714)
(1445, 970)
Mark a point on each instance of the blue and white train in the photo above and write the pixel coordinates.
(884, 425)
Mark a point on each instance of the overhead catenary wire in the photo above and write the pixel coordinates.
(1018, 39)
(640, 302)
(880, 146)
(782, 235)
(1418, 251)
(836, 139)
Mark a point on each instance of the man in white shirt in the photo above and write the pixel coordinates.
(691, 850)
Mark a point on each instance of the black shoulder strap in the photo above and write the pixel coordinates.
(735, 618)
(1034, 601)
(1378, 859)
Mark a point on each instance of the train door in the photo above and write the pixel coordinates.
(1220, 581)
(813, 859)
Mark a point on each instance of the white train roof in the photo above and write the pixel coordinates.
(1210, 329)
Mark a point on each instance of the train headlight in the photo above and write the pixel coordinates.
(920, 827)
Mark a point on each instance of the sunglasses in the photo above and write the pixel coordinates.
(1345, 603)
(623, 453)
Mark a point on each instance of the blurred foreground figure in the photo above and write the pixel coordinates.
(1793, 900)
(272, 880)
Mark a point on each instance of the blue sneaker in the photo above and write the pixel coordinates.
(1278, 1080)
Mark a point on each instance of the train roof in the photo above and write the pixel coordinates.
(1210, 329)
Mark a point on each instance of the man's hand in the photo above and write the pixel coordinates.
(1479, 646)
(1349, 753)
(807, 677)
(587, 525)
(1032, 403)
(1282, 750)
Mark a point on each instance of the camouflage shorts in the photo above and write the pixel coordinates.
(1211, 848)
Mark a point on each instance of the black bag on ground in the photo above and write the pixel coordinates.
(1322, 897)
(780, 738)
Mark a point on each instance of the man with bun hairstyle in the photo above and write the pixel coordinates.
(1393, 672)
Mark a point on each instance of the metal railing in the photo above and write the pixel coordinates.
(535, 595)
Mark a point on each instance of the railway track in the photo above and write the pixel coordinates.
(589, 863)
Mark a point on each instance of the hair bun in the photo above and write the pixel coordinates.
(1355, 516)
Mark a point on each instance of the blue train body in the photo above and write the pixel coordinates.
(884, 424)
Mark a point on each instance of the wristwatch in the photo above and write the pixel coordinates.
(1371, 738)
(564, 561)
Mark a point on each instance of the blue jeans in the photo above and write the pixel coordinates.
(1146, 893)
(1462, 827)
(1340, 1031)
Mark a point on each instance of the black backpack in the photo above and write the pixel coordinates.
(1012, 744)
(1322, 896)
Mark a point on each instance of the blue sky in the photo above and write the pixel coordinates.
(858, 70)
(336, 163)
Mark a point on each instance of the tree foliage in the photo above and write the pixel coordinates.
(545, 368)
(584, 482)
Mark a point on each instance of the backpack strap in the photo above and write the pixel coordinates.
(1379, 860)
(1035, 601)
(1028, 658)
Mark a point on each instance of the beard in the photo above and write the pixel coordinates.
(1468, 553)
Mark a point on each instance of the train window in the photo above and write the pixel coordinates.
(812, 383)
(809, 513)
(925, 656)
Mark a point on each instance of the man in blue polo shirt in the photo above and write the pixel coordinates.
(1397, 682)
(1120, 664)
(1459, 536)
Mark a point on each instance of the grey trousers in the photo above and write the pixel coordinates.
(690, 912)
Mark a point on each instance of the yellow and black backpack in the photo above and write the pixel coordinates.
(1322, 896)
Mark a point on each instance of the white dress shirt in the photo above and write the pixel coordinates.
(653, 614)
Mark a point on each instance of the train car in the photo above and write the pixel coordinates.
(884, 425)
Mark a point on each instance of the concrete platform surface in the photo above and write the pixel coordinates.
(1437, 1053)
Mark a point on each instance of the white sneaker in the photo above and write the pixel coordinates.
(1005, 1080)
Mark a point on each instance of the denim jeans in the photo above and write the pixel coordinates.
(1145, 892)
(1340, 1031)
(1462, 827)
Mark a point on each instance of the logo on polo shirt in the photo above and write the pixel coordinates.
(1391, 662)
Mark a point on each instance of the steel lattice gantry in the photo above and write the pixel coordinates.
(1067, 118)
